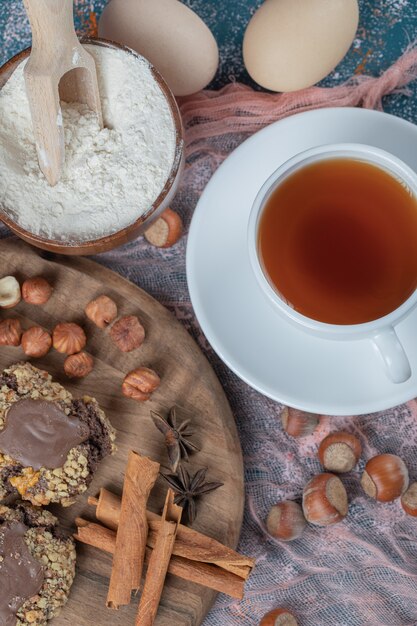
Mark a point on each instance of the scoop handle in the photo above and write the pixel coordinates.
(52, 24)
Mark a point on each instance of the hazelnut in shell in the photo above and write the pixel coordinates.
(36, 290)
(286, 521)
(279, 617)
(298, 423)
(10, 294)
(325, 500)
(166, 230)
(101, 311)
(339, 452)
(140, 383)
(68, 338)
(10, 332)
(127, 333)
(78, 365)
(385, 477)
(409, 500)
(36, 342)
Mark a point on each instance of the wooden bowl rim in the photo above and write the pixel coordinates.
(117, 238)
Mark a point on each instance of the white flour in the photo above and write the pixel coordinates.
(111, 176)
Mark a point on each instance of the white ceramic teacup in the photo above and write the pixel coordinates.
(380, 332)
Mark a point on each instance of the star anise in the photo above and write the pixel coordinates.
(188, 488)
(177, 437)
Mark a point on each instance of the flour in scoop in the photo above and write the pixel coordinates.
(111, 176)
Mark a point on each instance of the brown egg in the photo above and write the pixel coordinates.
(167, 33)
(291, 45)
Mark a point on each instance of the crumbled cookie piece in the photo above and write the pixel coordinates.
(53, 551)
(65, 483)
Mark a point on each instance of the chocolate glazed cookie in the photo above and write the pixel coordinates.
(50, 443)
(37, 566)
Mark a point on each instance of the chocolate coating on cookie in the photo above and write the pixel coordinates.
(21, 576)
(39, 434)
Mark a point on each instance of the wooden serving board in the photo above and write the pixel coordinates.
(188, 381)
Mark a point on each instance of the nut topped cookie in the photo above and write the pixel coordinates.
(37, 566)
(50, 443)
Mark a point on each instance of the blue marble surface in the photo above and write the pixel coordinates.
(386, 28)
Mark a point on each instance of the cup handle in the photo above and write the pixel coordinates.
(390, 349)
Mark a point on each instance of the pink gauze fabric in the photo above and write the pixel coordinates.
(362, 572)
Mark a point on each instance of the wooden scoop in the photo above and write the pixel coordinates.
(58, 68)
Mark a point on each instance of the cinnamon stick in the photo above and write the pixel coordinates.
(95, 535)
(189, 543)
(107, 508)
(159, 562)
(204, 574)
(198, 547)
(140, 477)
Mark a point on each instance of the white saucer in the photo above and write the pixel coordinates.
(276, 358)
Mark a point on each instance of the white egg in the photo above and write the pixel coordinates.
(292, 44)
(170, 35)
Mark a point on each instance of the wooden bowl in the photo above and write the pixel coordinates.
(145, 220)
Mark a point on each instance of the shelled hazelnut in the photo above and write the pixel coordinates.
(10, 332)
(101, 311)
(286, 521)
(68, 338)
(385, 477)
(279, 617)
(127, 333)
(298, 423)
(78, 365)
(36, 342)
(409, 500)
(339, 452)
(36, 290)
(166, 230)
(140, 383)
(325, 500)
(10, 294)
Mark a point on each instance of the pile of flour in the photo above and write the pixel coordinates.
(111, 176)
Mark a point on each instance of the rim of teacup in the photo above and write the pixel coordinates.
(380, 158)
